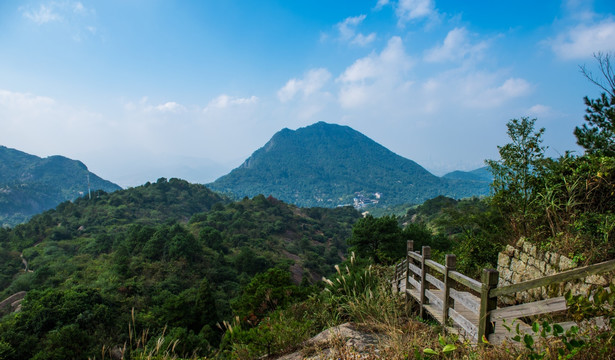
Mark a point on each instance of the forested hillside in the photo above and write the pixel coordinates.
(29, 184)
(180, 255)
(330, 165)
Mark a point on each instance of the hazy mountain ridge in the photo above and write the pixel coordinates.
(30, 184)
(329, 165)
(480, 174)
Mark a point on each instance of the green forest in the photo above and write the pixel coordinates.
(182, 258)
(173, 270)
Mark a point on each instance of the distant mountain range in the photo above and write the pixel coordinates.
(330, 165)
(481, 174)
(30, 184)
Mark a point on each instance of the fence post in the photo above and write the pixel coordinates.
(490, 280)
(450, 265)
(409, 248)
(426, 256)
(395, 281)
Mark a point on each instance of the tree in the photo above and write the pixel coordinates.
(515, 175)
(380, 239)
(598, 135)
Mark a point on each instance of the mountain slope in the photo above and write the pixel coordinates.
(176, 255)
(330, 165)
(30, 185)
(480, 174)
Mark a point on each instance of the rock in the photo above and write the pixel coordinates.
(566, 264)
(503, 260)
(596, 280)
(520, 242)
(321, 346)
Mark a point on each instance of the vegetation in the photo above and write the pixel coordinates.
(179, 257)
(29, 185)
(343, 165)
(171, 269)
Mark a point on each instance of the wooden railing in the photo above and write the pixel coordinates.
(471, 307)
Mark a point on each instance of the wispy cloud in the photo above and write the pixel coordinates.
(457, 45)
(73, 15)
(170, 106)
(224, 101)
(415, 10)
(22, 101)
(43, 14)
(539, 110)
(143, 105)
(583, 40)
(370, 77)
(348, 31)
(312, 82)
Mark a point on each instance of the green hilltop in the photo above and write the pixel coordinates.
(180, 255)
(30, 185)
(330, 165)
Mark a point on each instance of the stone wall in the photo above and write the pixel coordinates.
(526, 262)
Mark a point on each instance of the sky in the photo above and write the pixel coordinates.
(142, 89)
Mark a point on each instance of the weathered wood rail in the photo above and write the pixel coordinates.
(470, 307)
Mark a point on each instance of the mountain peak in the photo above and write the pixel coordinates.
(32, 184)
(330, 165)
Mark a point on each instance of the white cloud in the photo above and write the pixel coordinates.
(363, 40)
(410, 10)
(143, 105)
(381, 4)
(391, 61)
(170, 106)
(78, 7)
(583, 40)
(312, 82)
(348, 31)
(482, 90)
(23, 101)
(224, 101)
(456, 46)
(42, 15)
(75, 18)
(539, 110)
(369, 78)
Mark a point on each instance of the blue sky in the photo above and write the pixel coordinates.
(143, 89)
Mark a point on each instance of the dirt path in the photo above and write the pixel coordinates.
(25, 263)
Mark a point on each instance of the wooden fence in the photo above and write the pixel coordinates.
(471, 307)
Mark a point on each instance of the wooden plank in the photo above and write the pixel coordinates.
(565, 276)
(413, 293)
(414, 283)
(436, 266)
(466, 299)
(464, 323)
(435, 281)
(529, 309)
(415, 269)
(435, 312)
(434, 299)
(415, 256)
(466, 281)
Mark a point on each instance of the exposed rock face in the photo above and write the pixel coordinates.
(526, 261)
(346, 337)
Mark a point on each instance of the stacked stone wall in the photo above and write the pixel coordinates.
(526, 261)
